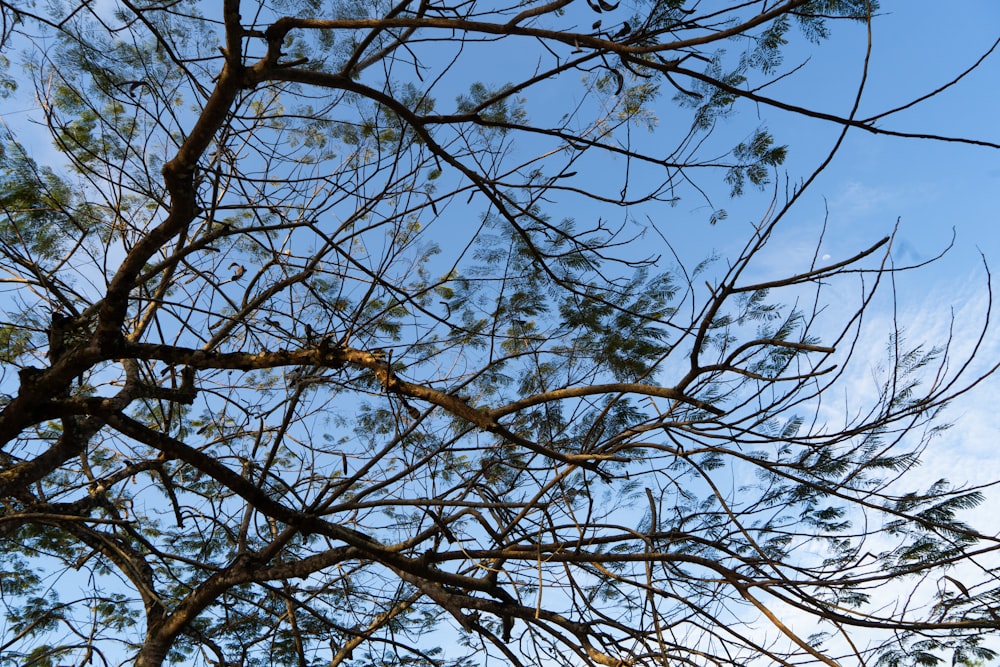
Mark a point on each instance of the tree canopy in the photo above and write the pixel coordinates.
(356, 333)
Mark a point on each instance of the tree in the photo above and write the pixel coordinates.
(312, 368)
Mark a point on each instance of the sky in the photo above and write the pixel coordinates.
(933, 190)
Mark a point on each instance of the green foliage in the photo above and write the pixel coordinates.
(8, 84)
(757, 160)
(33, 202)
(623, 335)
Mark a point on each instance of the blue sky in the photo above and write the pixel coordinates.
(931, 188)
